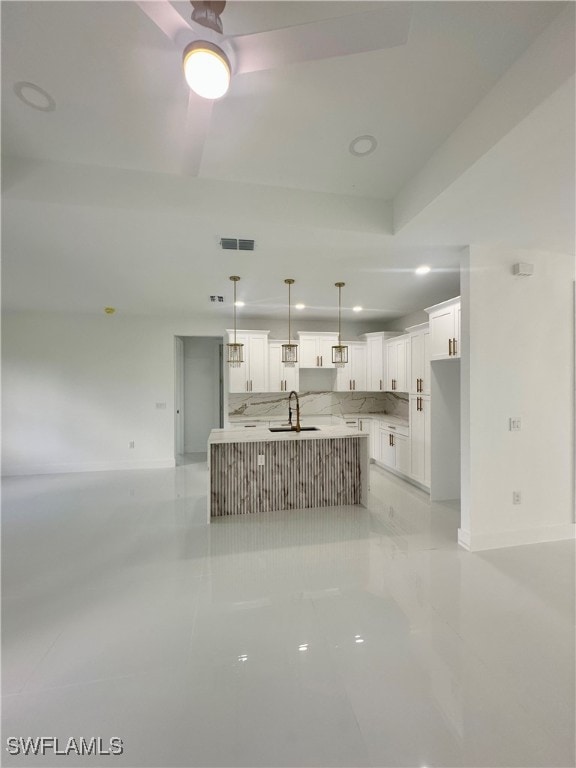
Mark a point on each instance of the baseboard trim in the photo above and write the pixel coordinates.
(88, 466)
(481, 541)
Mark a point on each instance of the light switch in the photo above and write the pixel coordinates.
(515, 424)
(160, 406)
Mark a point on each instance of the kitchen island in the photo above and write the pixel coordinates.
(264, 471)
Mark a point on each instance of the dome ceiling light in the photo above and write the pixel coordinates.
(206, 69)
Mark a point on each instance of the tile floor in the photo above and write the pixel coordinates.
(326, 637)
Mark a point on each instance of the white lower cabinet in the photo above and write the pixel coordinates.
(395, 450)
(420, 458)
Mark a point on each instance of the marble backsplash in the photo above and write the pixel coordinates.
(275, 404)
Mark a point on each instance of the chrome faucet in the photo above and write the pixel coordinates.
(297, 428)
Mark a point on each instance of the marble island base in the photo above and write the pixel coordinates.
(280, 471)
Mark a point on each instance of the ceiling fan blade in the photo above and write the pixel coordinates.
(385, 27)
(198, 118)
(166, 18)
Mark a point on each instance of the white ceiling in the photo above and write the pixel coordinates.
(98, 209)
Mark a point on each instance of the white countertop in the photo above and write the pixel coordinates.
(261, 434)
(310, 418)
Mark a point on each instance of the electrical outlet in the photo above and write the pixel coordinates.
(260, 459)
(131, 444)
(515, 424)
(516, 497)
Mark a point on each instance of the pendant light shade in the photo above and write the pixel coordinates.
(289, 351)
(339, 351)
(235, 350)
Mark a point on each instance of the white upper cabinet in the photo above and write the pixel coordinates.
(397, 352)
(316, 349)
(352, 376)
(445, 330)
(376, 362)
(281, 378)
(252, 374)
(419, 363)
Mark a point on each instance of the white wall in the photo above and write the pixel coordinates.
(77, 388)
(517, 361)
(201, 391)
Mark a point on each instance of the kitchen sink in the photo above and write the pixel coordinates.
(292, 429)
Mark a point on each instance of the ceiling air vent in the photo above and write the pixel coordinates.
(232, 244)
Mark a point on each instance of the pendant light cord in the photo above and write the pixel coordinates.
(234, 311)
(289, 331)
(339, 313)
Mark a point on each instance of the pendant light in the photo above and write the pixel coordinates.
(234, 349)
(339, 351)
(289, 351)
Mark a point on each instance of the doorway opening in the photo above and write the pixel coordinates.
(198, 395)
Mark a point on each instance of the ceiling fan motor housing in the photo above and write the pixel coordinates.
(207, 13)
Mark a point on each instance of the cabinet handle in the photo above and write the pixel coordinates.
(380, 383)
(454, 345)
(389, 439)
(392, 436)
(354, 383)
(450, 346)
(321, 361)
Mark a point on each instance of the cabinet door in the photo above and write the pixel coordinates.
(457, 328)
(387, 450)
(238, 377)
(344, 377)
(392, 364)
(358, 367)
(442, 330)
(325, 344)
(402, 447)
(401, 364)
(375, 365)
(420, 439)
(416, 440)
(426, 366)
(416, 362)
(308, 349)
(291, 377)
(258, 364)
(275, 374)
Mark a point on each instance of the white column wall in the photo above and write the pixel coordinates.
(517, 360)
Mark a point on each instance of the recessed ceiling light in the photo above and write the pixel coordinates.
(109, 310)
(240, 304)
(363, 145)
(423, 270)
(356, 309)
(34, 96)
(300, 306)
(207, 69)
